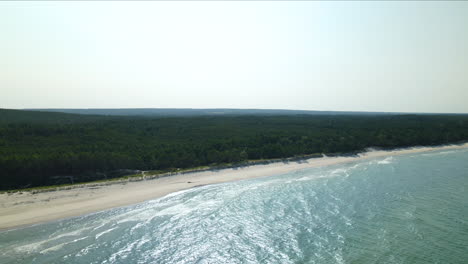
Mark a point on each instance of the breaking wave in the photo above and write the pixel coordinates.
(413, 211)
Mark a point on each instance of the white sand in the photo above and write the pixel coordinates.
(25, 208)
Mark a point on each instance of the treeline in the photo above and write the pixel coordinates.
(36, 153)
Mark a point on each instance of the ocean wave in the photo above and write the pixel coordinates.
(360, 212)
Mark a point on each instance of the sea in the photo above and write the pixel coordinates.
(409, 208)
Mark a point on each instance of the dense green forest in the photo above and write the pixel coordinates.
(39, 148)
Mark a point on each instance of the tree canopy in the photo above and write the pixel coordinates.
(38, 148)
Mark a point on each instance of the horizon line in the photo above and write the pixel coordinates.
(220, 108)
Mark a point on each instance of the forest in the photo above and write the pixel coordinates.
(47, 148)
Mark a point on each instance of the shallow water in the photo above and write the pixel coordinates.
(402, 209)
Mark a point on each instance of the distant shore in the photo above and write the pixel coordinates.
(26, 208)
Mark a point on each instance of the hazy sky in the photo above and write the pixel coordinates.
(362, 56)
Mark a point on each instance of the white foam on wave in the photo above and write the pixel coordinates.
(85, 250)
(304, 179)
(387, 160)
(73, 233)
(339, 258)
(61, 245)
(37, 246)
(342, 171)
(121, 254)
(104, 232)
(442, 153)
(180, 210)
(138, 216)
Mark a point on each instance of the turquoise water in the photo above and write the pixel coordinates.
(402, 209)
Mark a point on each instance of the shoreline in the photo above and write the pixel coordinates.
(27, 208)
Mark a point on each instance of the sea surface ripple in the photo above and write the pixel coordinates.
(401, 209)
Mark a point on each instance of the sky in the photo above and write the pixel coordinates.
(389, 56)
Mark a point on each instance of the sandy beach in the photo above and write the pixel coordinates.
(26, 208)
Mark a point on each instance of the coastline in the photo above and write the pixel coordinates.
(27, 208)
